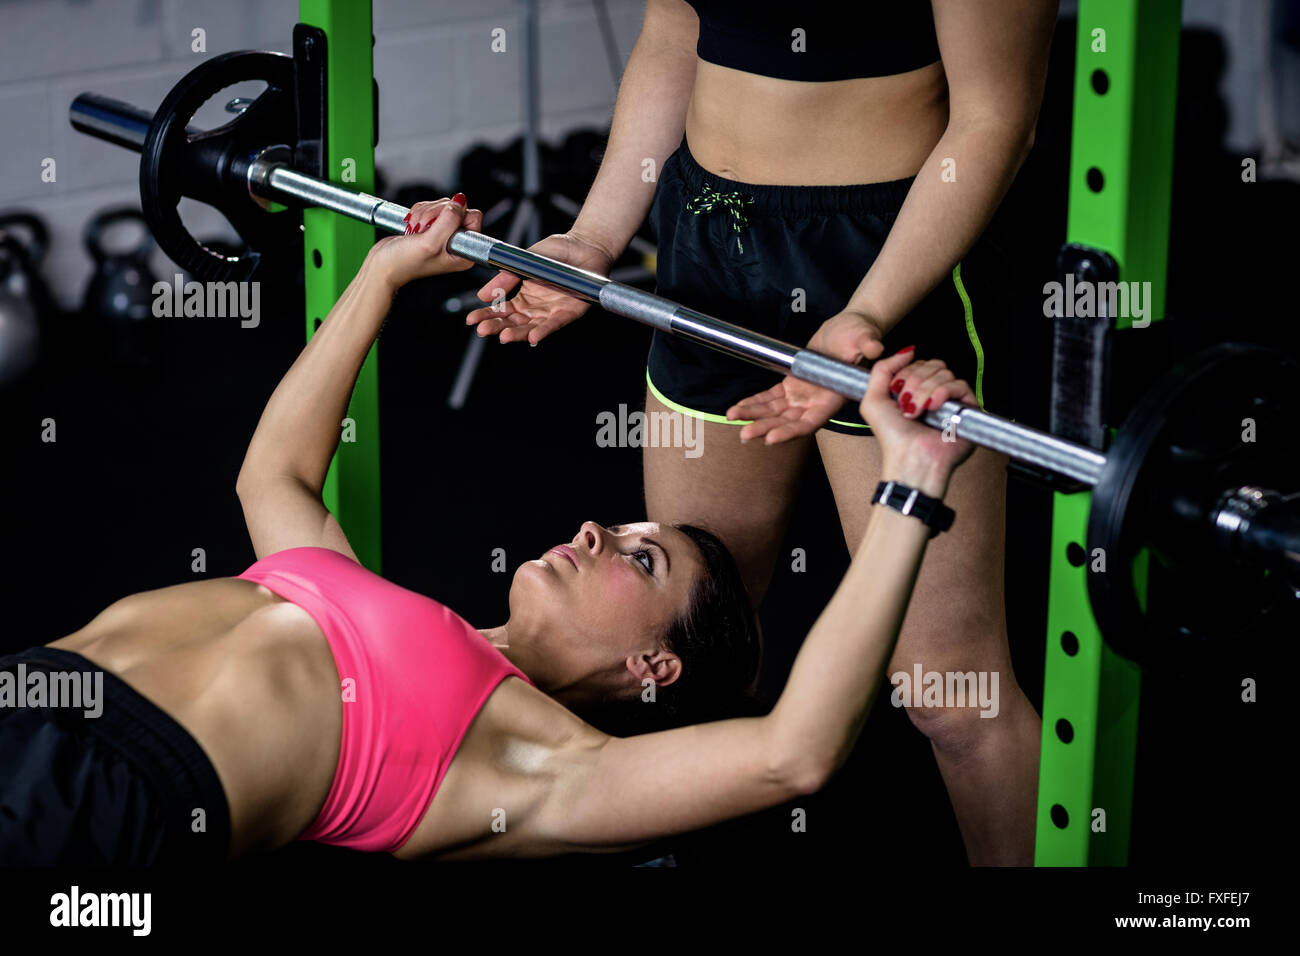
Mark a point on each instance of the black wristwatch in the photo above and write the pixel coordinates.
(931, 511)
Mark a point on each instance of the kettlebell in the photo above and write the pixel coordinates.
(25, 302)
(20, 329)
(120, 292)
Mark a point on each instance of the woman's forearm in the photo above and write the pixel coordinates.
(300, 426)
(950, 203)
(838, 670)
(649, 117)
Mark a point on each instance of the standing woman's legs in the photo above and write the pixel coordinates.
(742, 493)
(781, 259)
(956, 623)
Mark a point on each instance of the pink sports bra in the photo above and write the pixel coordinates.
(414, 675)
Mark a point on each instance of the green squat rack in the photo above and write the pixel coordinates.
(1121, 163)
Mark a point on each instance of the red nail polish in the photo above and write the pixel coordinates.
(926, 405)
(906, 399)
(406, 218)
(459, 199)
(897, 384)
(908, 349)
(909, 409)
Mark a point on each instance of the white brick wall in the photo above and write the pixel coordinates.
(441, 90)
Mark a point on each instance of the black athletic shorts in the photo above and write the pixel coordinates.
(742, 252)
(122, 787)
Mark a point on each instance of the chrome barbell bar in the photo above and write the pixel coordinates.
(271, 178)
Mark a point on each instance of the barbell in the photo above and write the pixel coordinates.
(1181, 481)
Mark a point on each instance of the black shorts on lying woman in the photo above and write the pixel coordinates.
(743, 253)
(116, 783)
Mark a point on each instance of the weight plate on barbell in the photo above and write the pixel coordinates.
(1215, 422)
(208, 165)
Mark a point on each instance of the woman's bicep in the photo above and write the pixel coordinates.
(282, 512)
(995, 56)
(620, 792)
(671, 22)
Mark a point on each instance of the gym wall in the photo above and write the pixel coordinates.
(440, 91)
(1246, 26)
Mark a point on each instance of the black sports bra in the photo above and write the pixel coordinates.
(817, 40)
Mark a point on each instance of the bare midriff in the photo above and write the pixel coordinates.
(249, 676)
(762, 130)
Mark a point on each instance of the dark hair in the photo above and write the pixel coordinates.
(718, 641)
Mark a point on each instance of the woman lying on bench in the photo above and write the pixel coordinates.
(308, 698)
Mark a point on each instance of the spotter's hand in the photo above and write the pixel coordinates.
(538, 309)
(793, 407)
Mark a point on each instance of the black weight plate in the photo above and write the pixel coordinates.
(209, 165)
(1178, 451)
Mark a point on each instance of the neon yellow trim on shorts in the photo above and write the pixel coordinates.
(721, 419)
(971, 334)
(705, 416)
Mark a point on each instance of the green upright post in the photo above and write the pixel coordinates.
(335, 247)
(1121, 162)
